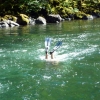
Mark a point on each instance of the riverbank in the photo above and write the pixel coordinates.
(22, 19)
(43, 12)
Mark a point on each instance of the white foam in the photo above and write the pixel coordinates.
(16, 50)
(46, 77)
(24, 50)
(63, 55)
(1, 50)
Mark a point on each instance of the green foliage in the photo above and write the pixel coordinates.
(21, 6)
(63, 7)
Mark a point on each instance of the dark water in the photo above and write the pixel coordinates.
(25, 75)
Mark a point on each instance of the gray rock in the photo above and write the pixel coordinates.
(90, 17)
(31, 21)
(40, 20)
(4, 24)
(54, 18)
(12, 23)
(8, 23)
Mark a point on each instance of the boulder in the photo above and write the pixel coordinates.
(40, 20)
(10, 17)
(23, 19)
(54, 18)
(2, 19)
(31, 21)
(88, 17)
(8, 23)
(12, 23)
(4, 24)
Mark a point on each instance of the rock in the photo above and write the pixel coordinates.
(12, 23)
(8, 23)
(40, 20)
(2, 19)
(54, 18)
(10, 17)
(88, 17)
(23, 19)
(31, 21)
(4, 24)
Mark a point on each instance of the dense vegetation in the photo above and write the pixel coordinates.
(66, 8)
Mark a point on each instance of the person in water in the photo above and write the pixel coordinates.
(47, 46)
(46, 56)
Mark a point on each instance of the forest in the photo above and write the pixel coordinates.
(65, 8)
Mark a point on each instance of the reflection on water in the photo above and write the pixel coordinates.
(73, 75)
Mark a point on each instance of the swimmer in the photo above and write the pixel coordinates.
(47, 46)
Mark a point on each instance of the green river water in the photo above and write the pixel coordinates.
(25, 75)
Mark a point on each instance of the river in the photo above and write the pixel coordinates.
(75, 75)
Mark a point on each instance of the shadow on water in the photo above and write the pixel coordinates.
(73, 76)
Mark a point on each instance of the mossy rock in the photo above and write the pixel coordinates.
(10, 17)
(2, 19)
(23, 19)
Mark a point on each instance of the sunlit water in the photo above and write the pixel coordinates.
(73, 75)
